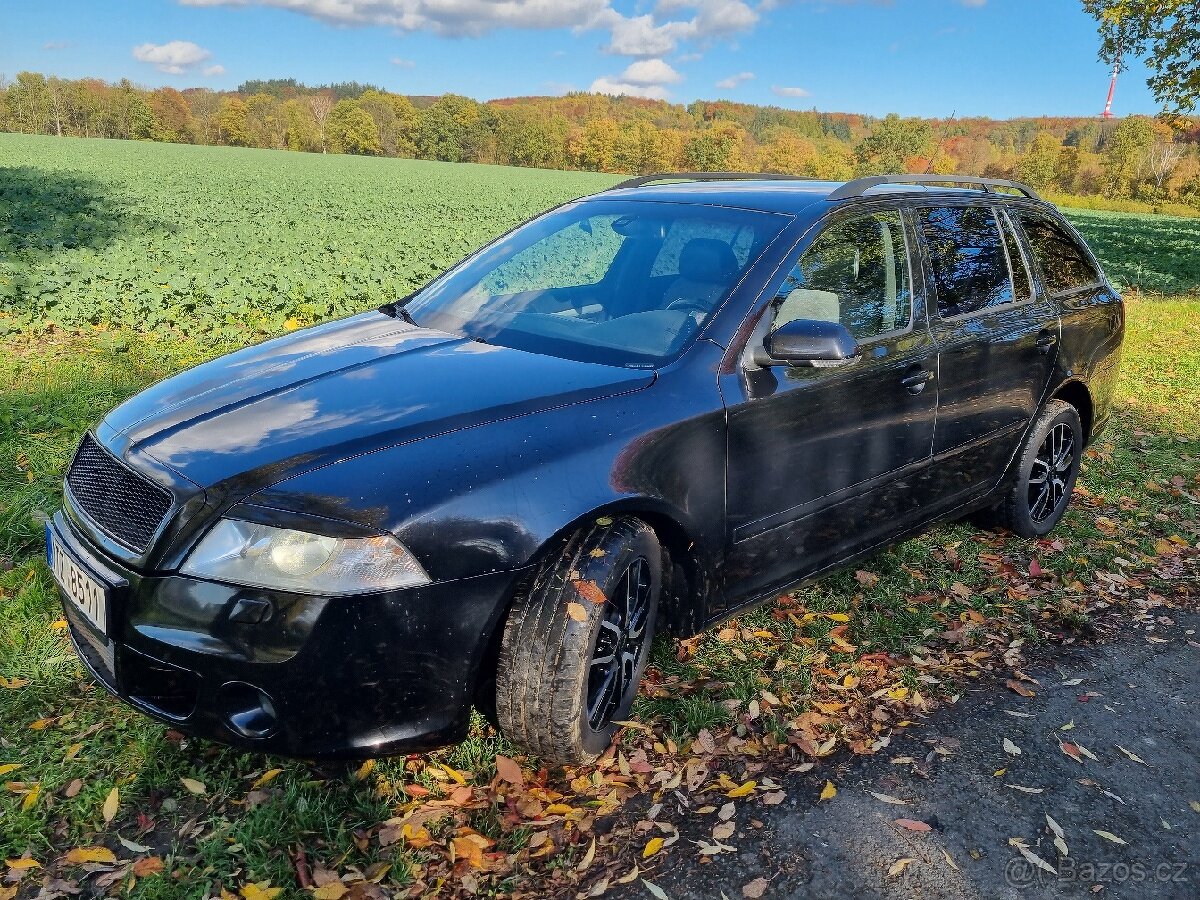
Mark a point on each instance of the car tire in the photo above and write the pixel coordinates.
(556, 696)
(1046, 471)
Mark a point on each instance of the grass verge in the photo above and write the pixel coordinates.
(98, 795)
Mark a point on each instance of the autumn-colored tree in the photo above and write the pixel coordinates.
(597, 147)
(1039, 167)
(300, 128)
(621, 134)
(1125, 155)
(718, 149)
(263, 122)
(172, 116)
(205, 106)
(891, 144)
(29, 102)
(320, 104)
(396, 118)
(1066, 171)
(789, 154)
(231, 120)
(446, 128)
(352, 130)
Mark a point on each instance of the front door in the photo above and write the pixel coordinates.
(822, 461)
(998, 341)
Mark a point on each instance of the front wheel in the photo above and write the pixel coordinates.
(576, 643)
(1046, 472)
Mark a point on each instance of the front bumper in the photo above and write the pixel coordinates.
(302, 676)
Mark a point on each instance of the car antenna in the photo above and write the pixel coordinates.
(937, 149)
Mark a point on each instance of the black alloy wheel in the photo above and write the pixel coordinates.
(1052, 469)
(619, 646)
(577, 641)
(1044, 474)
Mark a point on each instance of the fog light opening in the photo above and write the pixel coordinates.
(249, 711)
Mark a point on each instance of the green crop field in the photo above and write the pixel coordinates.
(231, 243)
(146, 258)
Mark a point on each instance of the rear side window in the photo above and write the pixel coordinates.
(1022, 283)
(966, 253)
(1064, 264)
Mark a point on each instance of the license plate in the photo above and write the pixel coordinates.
(84, 590)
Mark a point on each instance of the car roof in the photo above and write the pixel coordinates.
(794, 196)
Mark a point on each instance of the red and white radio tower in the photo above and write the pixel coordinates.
(1112, 86)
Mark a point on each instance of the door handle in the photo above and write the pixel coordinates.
(915, 382)
(1045, 341)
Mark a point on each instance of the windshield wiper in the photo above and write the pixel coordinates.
(397, 311)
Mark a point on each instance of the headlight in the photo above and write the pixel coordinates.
(264, 556)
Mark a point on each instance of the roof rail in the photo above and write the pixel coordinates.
(705, 176)
(860, 186)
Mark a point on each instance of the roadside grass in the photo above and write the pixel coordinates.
(750, 681)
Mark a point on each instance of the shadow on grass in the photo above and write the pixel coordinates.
(45, 212)
(45, 406)
(1151, 253)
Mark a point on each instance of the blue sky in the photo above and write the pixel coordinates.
(999, 58)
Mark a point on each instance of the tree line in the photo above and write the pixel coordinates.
(1136, 158)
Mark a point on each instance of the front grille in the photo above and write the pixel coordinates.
(127, 506)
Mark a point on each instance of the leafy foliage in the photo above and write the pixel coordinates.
(1167, 31)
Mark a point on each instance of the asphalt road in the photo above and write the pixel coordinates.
(1140, 692)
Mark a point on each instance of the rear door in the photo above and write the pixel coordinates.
(824, 461)
(997, 339)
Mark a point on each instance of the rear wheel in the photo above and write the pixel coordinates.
(1046, 472)
(576, 644)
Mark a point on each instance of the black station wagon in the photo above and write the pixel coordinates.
(643, 410)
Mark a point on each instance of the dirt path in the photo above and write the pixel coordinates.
(1141, 693)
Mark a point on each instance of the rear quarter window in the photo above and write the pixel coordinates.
(1064, 264)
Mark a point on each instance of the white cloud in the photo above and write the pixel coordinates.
(401, 62)
(173, 57)
(650, 71)
(447, 17)
(788, 91)
(621, 88)
(649, 35)
(644, 78)
(55, 45)
(733, 81)
(975, 3)
(640, 35)
(214, 70)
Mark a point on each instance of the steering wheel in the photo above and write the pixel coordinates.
(689, 304)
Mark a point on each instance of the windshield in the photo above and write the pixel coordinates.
(614, 282)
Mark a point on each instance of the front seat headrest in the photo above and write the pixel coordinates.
(707, 259)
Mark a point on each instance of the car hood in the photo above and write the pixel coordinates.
(343, 389)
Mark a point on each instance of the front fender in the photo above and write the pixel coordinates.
(487, 499)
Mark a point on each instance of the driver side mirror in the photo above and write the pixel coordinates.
(809, 342)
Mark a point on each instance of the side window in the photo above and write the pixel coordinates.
(1022, 282)
(856, 273)
(1063, 263)
(970, 270)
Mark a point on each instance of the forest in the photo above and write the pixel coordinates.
(1135, 163)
